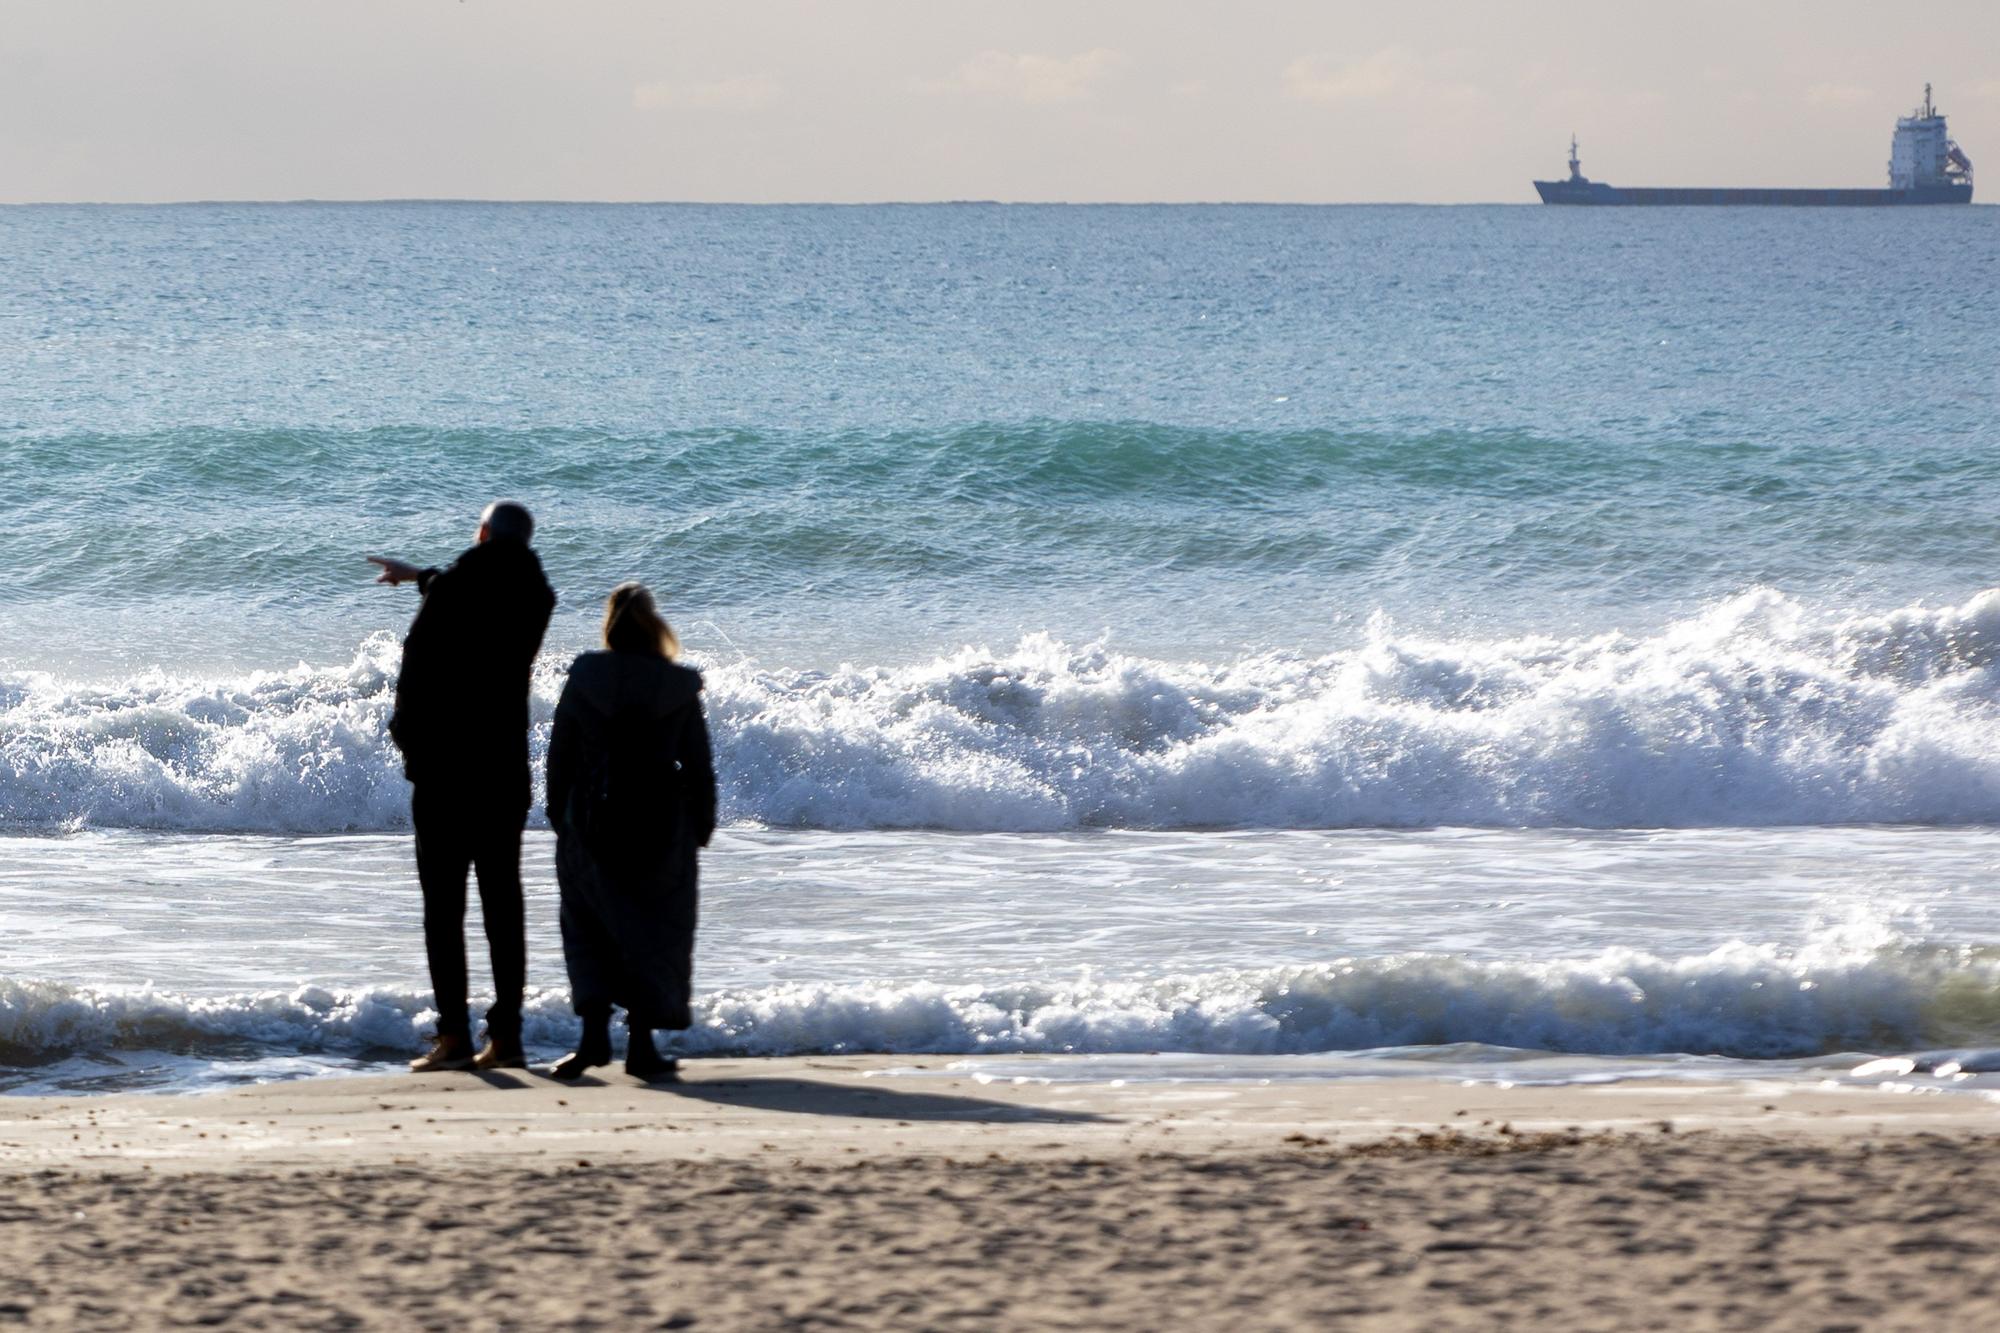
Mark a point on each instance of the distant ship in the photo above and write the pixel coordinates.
(1925, 167)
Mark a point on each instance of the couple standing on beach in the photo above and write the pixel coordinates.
(631, 796)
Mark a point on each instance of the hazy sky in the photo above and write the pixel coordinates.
(1429, 100)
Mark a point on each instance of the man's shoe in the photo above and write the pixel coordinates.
(501, 1053)
(448, 1055)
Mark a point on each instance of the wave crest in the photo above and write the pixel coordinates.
(1740, 1000)
(1751, 713)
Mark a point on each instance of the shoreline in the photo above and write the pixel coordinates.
(818, 1107)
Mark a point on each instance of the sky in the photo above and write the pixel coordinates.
(1444, 101)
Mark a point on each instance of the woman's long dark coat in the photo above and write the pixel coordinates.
(629, 893)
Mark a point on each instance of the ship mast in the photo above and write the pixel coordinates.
(1575, 166)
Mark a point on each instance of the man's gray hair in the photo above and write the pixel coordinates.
(507, 518)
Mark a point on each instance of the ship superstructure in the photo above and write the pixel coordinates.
(1925, 167)
(1923, 156)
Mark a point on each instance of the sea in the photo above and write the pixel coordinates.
(1500, 644)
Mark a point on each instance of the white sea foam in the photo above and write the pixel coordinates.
(1752, 713)
(299, 750)
(1737, 1000)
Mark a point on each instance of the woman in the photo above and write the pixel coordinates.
(631, 798)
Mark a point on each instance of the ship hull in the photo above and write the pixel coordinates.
(1598, 194)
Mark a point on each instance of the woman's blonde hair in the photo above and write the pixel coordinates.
(632, 624)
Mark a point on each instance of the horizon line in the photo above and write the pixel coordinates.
(775, 203)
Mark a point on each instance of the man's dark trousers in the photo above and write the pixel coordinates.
(459, 830)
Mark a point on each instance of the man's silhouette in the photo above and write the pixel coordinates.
(461, 721)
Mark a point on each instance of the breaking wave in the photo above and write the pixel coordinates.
(1753, 712)
(1740, 1000)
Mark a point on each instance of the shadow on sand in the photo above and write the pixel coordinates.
(500, 1078)
(805, 1096)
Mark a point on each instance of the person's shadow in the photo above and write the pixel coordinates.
(805, 1096)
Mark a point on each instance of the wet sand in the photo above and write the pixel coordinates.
(833, 1194)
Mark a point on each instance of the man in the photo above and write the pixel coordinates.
(461, 721)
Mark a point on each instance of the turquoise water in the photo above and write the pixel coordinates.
(869, 434)
(1020, 522)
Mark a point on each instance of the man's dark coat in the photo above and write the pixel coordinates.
(461, 716)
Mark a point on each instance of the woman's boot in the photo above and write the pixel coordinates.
(643, 1059)
(592, 1049)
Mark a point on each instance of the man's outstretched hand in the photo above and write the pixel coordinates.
(393, 570)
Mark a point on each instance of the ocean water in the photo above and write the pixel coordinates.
(1223, 641)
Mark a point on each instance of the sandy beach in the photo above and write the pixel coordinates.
(867, 1192)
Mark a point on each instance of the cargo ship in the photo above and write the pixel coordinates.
(1925, 167)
